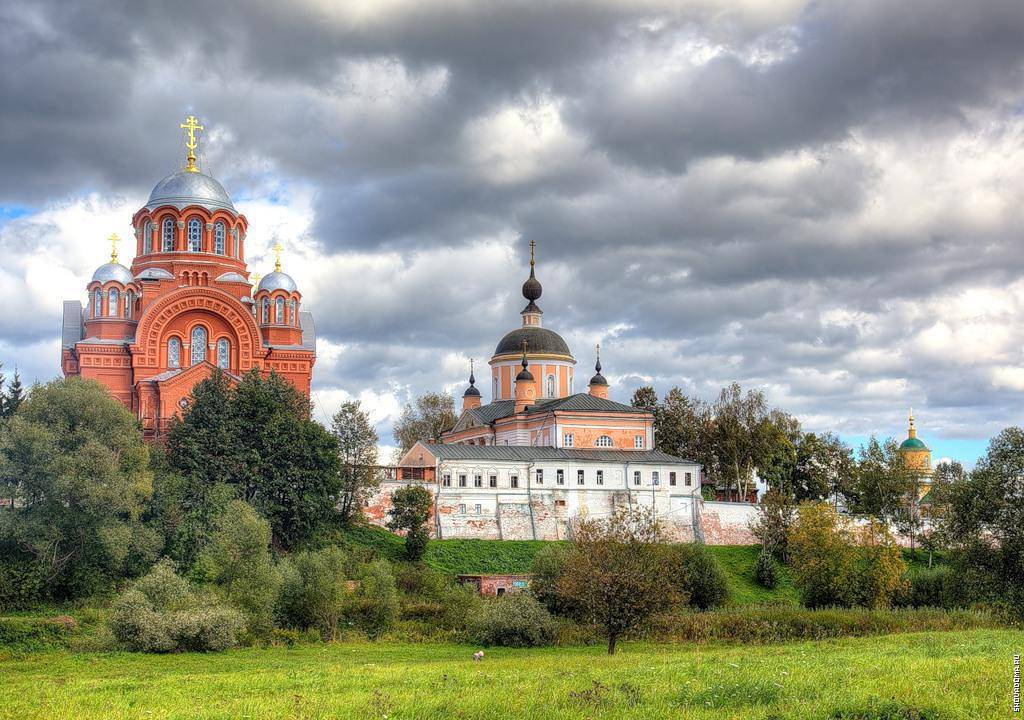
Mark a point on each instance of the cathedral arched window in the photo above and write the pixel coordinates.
(198, 349)
(603, 441)
(266, 310)
(550, 386)
(279, 311)
(494, 391)
(167, 235)
(113, 300)
(147, 238)
(223, 353)
(293, 315)
(174, 352)
(129, 303)
(218, 238)
(97, 303)
(195, 235)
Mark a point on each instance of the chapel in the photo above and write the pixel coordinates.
(186, 304)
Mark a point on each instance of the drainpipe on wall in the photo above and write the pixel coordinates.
(529, 498)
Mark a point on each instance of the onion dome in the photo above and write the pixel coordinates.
(541, 340)
(525, 373)
(531, 288)
(598, 378)
(277, 281)
(471, 391)
(913, 442)
(185, 188)
(112, 271)
(154, 274)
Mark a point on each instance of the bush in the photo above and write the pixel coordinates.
(765, 570)
(698, 574)
(931, 587)
(375, 606)
(314, 591)
(238, 562)
(548, 564)
(161, 612)
(28, 633)
(513, 620)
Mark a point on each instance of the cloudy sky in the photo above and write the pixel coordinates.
(822, 200)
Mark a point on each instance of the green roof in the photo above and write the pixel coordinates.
(913, 444)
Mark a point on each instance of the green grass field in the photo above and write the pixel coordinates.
(928, 675)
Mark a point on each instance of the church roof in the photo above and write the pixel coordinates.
(580, 402)
(112, 271)
(531, 452)
(913, 444)
(277, 280)
(538, 339)
(185, 188)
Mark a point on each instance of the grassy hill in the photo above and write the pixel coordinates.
(464, 557)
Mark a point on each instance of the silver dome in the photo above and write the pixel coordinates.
(231, 277)
(112, 271)
(278, 281)
(190, 188)
(154, 274)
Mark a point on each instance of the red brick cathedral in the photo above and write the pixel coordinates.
(186, 305)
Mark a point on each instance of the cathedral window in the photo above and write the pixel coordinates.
(293, 313)
(147, 238)
(195, 235)
(266, 310)
(494, 392)
(551, 386)
(97, 303)
(603, 441)
(198, 349)
(113, 300)
(167, 241)
(174, 352)
(223, 353)
(279, 311)
(129, 303)
(218, 238)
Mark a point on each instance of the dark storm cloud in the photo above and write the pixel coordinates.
(729, 191)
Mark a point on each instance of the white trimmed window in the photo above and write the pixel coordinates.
(560, 477)
(195, 235)
(218, 238)
(167, 242)
(689, 479)
(567, 440)
(600, 477)
(446, 480)
(672, 479)
(655, 478)
(478, 481)
(492, 481)
(603, 441)
(580, 477)
(638, 442)
(540, 477)
(513, 480)
(113, 300)
(462, 481)
(636, 477)
(551, 386)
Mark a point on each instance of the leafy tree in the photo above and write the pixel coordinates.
(237, 560)
(984, 522)
(824, 467)
(645, 398)
(315, 590)
(75, 463)
(410, 510)
(881, 483)
(775, 515)
(357, 442)
(425, 419)
(617, 576)
(14, 396)
(258, 439)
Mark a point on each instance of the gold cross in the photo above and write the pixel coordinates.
(278, 247)
(191, 125)
(533, 247)
(114, 240)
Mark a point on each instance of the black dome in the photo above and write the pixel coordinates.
(538, 339)
(598, 379)
(471, 391)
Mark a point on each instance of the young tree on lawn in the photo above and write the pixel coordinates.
(617, 576)
(775, 515)
(425, 419)
(410, 510)
(357, 442)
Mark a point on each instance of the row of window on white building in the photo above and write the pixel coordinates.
(581, 478)
(603, 441)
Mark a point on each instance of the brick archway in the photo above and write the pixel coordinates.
(146, 348)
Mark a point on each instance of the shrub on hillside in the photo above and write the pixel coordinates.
(931, 587)
(238, 562)
(314, 591)
(162, 612)
(513, 620)
(374, 608)
(548, 564)
(836, 564)
(697, 574)
(765, 570)
(29, 633)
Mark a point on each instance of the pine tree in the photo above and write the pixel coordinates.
(14, 395)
